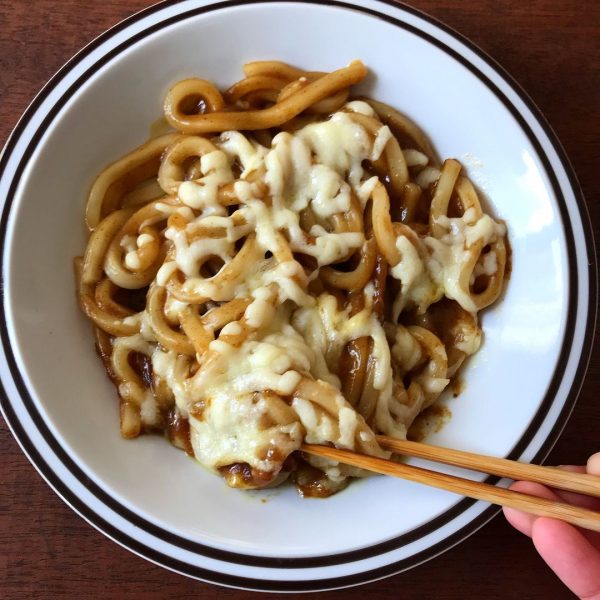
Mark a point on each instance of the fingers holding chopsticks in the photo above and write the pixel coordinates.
(572, 553)
(523, 521)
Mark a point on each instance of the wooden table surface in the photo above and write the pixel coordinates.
(46, 551)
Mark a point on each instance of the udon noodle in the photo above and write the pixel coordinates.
(289, 264)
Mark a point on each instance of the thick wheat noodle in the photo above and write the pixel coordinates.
(225, 313)
(131, 392)
(410, 200)
(134, 388)
(467, 268)
(150, 255)
(166, 208)
(227, 196)
(359, 277)
(354, 380)
(411, 400)
(437, 366)
(382, 225)
(380, 166)
(106, 182)
(269, 117)
(280, 413)
(100, 239)
(144, 193)
(130, 418)
(368, 399)
(163, 394)
(212, 355)
(339, 223)
(323, 395)
(104, 348)
(324, 107)
(463, 321)
(275, 68)
(405, 403)
(458, 357)
(397, 121)
(380, 274)
(401, 229)
(244, 329)
(196, 89)
(282, 251)
(443, 193)
(493, 288)
(177, 221)
(193, 169)
(331, 104)
(254, 83)
(195, 330)
(416, 397)
(232, 272)
(354, 216)
(257, 100)
(468, 197)
(148, 252)
(103, 319)
(237, 339)
(103, 295)
(367, 402)
(166, 335)
(133, 181)
(172, 173)
(356, 300)
(201, 230)
(395, 163)
(348, 221)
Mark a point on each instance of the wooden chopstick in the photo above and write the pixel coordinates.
(542, 507)
(552, 476)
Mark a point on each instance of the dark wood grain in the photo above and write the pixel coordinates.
(551, 47)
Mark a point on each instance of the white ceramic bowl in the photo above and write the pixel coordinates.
(150, 497)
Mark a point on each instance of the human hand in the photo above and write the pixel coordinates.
(572, 553)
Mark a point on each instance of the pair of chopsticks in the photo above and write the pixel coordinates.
(550, 476)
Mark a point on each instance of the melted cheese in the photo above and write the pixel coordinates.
(406, 350)
(320, 166)
(236, 424)
(202, 194)
(232, 430)
(329, 329)
(242, 401)
(425, 279)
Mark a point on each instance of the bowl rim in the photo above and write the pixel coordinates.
(153, 555)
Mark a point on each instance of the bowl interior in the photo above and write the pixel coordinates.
(112, 112)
